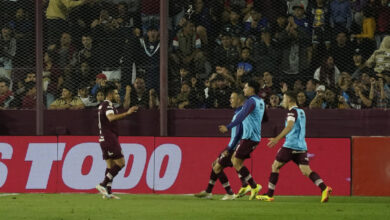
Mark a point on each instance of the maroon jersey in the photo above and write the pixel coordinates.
(107, 129)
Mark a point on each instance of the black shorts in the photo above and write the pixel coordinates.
(245, 148)
(111, 149)
(225, 160)
(284, 155)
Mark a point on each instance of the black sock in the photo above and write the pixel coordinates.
(225, 182)
(247, 177)
(273, 179)
(317, 180)
(213, 178)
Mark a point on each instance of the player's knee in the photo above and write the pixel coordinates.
(275, 167)
(217, 168)
(306, 172)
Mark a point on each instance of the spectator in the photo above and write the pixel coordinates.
(319, 20)
(148, 58)
(358, 64)
(176, 80)
(100, 82)
(64, 52)
(298, 85)
(302, 101)
(6, 95)
(29, 100)
(56, 16)
(7, 52)
(246, 63)
(88, 53)
(197, 96)
(296, 53)
(223, 70)
(255, 23)
(325, 99)
(107, 38)
(340, 15)
(345, 84)
(84, 74)
(383, 21)
(310, 90)
(52, 78)
(377, 93)
(358, 98)
(381, 57)
(274, 102)
(20, 89)
(292, 3)
(342, 52)
(328, 73)
(99, 96)
(265, 52)
(300, 18)
(234, 27)
(182, 100)
(23, 30)
(226, 52)
(357, 8)
(219, 93)
(85, 97)
(67, 100)
(137, 95)
(203, 21)
(187, 47)
(269, 86)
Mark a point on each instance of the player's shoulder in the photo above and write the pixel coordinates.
(106, 105)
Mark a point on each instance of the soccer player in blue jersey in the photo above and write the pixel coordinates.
(294, 148)
(251, 116)
(224, 159)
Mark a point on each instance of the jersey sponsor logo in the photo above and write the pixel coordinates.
(110, 153)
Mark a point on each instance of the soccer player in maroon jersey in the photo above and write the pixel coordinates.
(108, 138)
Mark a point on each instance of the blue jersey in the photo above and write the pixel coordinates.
(250, 116)
(236, 132)
(295, 139)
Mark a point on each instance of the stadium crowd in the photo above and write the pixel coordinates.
(333, 53)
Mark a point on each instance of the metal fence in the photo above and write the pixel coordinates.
(334, 54)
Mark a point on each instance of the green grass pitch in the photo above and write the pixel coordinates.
(156, 207)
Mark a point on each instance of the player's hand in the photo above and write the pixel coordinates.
(132, 109)
(222, 129)
(272, 142)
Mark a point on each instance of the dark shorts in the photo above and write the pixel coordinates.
(284, 155)
(111, 149)
(225, 161)
(245, 148)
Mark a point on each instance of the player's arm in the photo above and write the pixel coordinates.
(291, 117)
(237, 137)
(246, 110)
(113, 117)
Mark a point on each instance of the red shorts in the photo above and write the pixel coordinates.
(225, 161)
(245, 148)
(111, 149)
(285, 154)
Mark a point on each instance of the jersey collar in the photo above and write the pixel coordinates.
(293, 107)
(109, 102)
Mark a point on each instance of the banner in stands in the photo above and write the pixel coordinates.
(174, 165)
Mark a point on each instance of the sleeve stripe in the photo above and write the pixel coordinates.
(291, 118)
(108, 112)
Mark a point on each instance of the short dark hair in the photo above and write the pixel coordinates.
(292, 95)
(5, 80)
(240, 95)
(29, 85)
(255, 85)
(109, 87)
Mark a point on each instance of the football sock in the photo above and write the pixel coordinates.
(213, 178)
(225, 182)
(109, 184)
(247, 177)
(110, 175)
(273, 179)
(317, 180)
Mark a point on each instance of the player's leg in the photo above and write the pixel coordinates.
(218, 169)
(303, 161)
(283, 156)
(325, 190)
(105, 187)
(213, 179)
(243, 151)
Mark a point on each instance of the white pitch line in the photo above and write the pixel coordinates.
(8, 194)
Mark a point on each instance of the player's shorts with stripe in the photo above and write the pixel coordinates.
(245, 148)
(111, 148)
(225, 160)
(299, 157)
